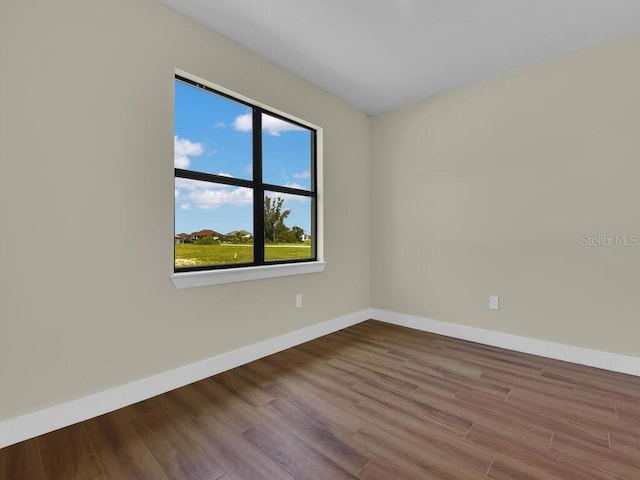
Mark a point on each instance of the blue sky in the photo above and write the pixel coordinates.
(213, 135)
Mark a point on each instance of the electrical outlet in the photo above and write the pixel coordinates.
(494, 302)
(299, 300)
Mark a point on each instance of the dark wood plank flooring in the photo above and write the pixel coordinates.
(373, 402)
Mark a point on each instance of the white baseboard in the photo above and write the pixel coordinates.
(568, 353)
(37, 423)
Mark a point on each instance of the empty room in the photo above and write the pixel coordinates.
(374, 239)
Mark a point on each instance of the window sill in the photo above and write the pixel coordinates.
(243, 274)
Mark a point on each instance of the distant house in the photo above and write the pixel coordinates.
(304, 237)
(206, 233)
(240, 233)
(183, 238)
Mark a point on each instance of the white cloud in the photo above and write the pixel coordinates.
(207, 196)
(210, 198)
(274, 126)
(183, 149)
(220, 125)
(288, 197)
(302, 175)
(184, 184)
(243, 123)
(185, 206)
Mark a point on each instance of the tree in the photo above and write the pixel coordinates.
(274, 217)
(298, 232)
(207, 241)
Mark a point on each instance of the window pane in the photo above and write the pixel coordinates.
(212, 133)
(287, 223)
(286, 153)
(213, 224)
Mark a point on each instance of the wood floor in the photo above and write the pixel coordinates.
(373, 401)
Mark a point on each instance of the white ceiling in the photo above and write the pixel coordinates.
(381, 54)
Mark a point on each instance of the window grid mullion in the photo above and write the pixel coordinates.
(258, 192)
(211, 178)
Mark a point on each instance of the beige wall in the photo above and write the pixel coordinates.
(487, 191)
(86, 201)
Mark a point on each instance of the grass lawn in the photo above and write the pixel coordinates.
(191, 255)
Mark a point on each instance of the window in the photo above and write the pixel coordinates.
(245, 183)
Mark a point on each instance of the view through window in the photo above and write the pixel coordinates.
(244, 183)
